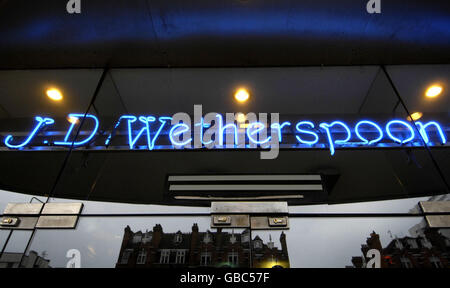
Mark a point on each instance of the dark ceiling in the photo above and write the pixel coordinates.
(205, 33)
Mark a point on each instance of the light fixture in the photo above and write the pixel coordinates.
(241, 95)
(415, 116)
(433, 91)
(54, 94)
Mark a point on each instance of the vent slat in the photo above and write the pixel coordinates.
(189, 178)
(202, 188)
(261, 187)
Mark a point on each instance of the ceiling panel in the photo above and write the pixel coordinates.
(204, 33)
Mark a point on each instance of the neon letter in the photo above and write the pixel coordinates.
(404, 123)
(222, 129)
(202, 125)
(114, 130)
(69, 132)
(327, 127)
(41, 123)
(163, 121)
(172, 133)
(310, 124)
(259, 127)
(145, 129)
(280, 127)
(424, 133)
(380, 132)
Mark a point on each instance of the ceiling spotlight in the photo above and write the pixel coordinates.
(54, 94)
(415, 116)
(433, 91)
(241, 95)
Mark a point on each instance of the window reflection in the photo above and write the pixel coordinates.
(430, 249)
(17, 260)
(197, 248)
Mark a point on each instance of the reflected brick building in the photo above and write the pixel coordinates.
(19, 260)
(431, 250)
(212, 249)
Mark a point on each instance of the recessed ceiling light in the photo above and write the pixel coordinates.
(415, 116)
(241, 95)
(433, 91)
(54, 94)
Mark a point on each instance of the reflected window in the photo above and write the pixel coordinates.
(398, 244)
(426, 243)
(233, 258)
(205, 259)
(126, 256)
(147, 238)
(180, 257)
(178, 237)
(207, 239)
(257, 243)
(245, 238)
(412, 244)
(142, 256)
(137, 238)
(165, 256)
(406, 263)
(435, 262)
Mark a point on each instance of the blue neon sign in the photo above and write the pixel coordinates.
(151, 132)
(75, 119)
(327, 127)
(42, 121)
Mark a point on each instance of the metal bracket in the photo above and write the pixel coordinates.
(28, 216)
(10, 222)
(254, 215)
(230, 221)
(269, 223)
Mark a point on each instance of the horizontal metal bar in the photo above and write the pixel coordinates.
(23, 208)
(62, 208)
(435, 206)
(305, 215)
(255, 187)
(249, 207)
(57, 222)
(24, 223)
(187, 178)
(278, 197)
(438, 221)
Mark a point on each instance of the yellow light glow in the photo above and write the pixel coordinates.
(54, 94)
(243, 126)
(73, 120)
(246, 125)
(241, 95)
(240, 117)
(415, 116)
(271, 264)
(433, 91)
